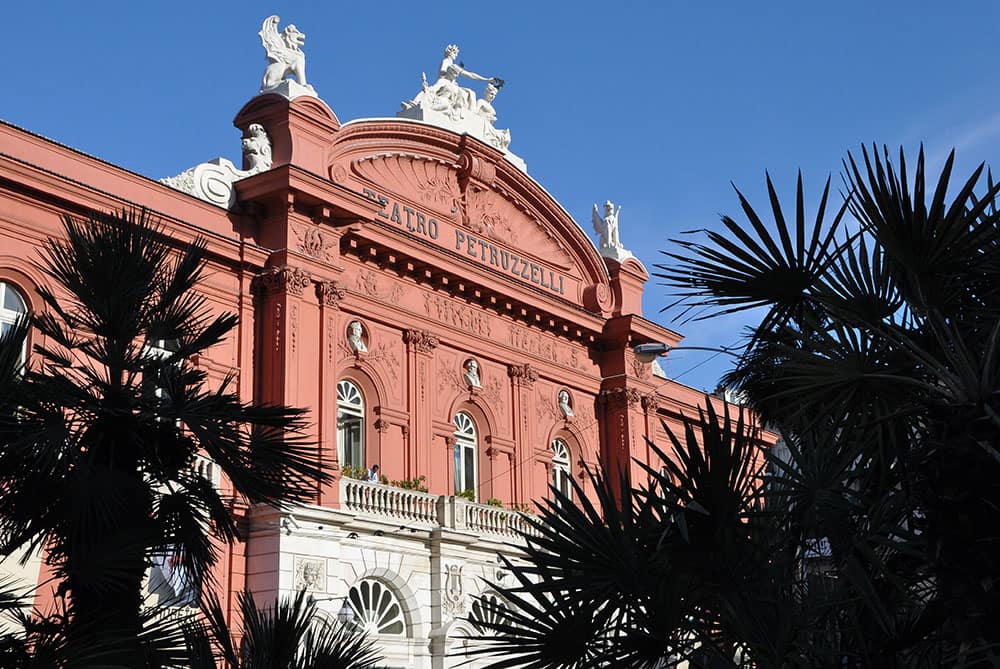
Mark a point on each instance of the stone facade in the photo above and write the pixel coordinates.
(369, 264)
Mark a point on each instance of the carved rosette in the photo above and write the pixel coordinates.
(623, 397)
(522, 375)
(421, 341)
(330, 293)
(281, 279)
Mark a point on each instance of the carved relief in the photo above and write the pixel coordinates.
(313, 242)
(621, 396)
(451, 313)
(277, 327)
(522, 375)
(435, 180)
(453, 597)
(368, 283)
(421, 340)
(382, 425)
(310, 574)
(651, 403)
(293, 326)
(330, 293)
(284, 278)
(546, 347)
(546, 408)
(639, 369)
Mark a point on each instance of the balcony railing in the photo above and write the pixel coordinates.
(409, 507)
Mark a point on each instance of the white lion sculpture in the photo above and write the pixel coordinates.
(283, 54)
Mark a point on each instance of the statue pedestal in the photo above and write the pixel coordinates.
(290, 89)
(471, 124)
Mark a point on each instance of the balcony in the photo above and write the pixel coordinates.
(419, 509)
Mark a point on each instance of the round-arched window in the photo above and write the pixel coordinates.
(377, 610)
(561, 468)
(350, 425)
(466, 448)
(12, 308)
(487, 611)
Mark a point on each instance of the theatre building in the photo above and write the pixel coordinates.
(431, 305)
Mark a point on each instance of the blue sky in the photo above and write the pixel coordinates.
(656, 105)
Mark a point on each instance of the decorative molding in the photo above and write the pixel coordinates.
(621, 395)
(368, 284)
(450, 440)
(310, 574)
(522, 375)
(382, 425)
(651, 403)
(453, 593)
(330, 293)
(313, 242)
(281, 279)
(421, 340)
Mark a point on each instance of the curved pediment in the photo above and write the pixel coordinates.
(465, 197)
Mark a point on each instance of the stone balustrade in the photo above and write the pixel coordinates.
(412, 508)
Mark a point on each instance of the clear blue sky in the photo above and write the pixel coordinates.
(655, 105)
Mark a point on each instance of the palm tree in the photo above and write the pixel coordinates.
(99, 436)
(872, 542)
(286, 635)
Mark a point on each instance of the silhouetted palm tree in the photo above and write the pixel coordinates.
(100, 435)
(873, 542)
(287, 635)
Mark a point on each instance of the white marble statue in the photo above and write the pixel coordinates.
(471, 374)
(448, 105)
(213, 181)
(500, 139)
(285, 58)
(355, 333)
(564, 404)
(606, 227)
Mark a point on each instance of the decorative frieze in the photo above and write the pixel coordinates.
(281, 279)
(522, 375)
(421, 341)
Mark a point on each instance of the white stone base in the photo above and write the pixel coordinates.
(290, 89)
(616, 253)
(471, 125)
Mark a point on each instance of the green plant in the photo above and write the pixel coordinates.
(468, 494)
(522, 507)
(493, 501)
(354, 472)
(411, 484)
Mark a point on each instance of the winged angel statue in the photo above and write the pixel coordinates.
(283, 54)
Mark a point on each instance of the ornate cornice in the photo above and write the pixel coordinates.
(281, 279)
(421, 340)
(330, 293)
(522, 375)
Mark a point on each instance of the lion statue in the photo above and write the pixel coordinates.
(283, 54)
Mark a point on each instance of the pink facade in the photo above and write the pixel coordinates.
(443, 252)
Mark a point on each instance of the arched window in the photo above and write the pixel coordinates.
(377, 610)
(12, 308)
(466, 448)
(561, 468)
(350, 425)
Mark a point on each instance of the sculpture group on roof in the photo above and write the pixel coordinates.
(285, 58)
(458, 103)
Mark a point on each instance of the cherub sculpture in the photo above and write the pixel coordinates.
(607, 226)
(283, 53)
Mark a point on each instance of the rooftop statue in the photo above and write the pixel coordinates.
(285, 58)
(448, 105)
(606, 227)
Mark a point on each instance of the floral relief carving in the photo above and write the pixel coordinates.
(622, 396)
(283, 278)
(330, 293)
(651, 402)
(640, 369)
(421, 340)
(382, 425)
(435, 180)
(293, 326)
(522, 375)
